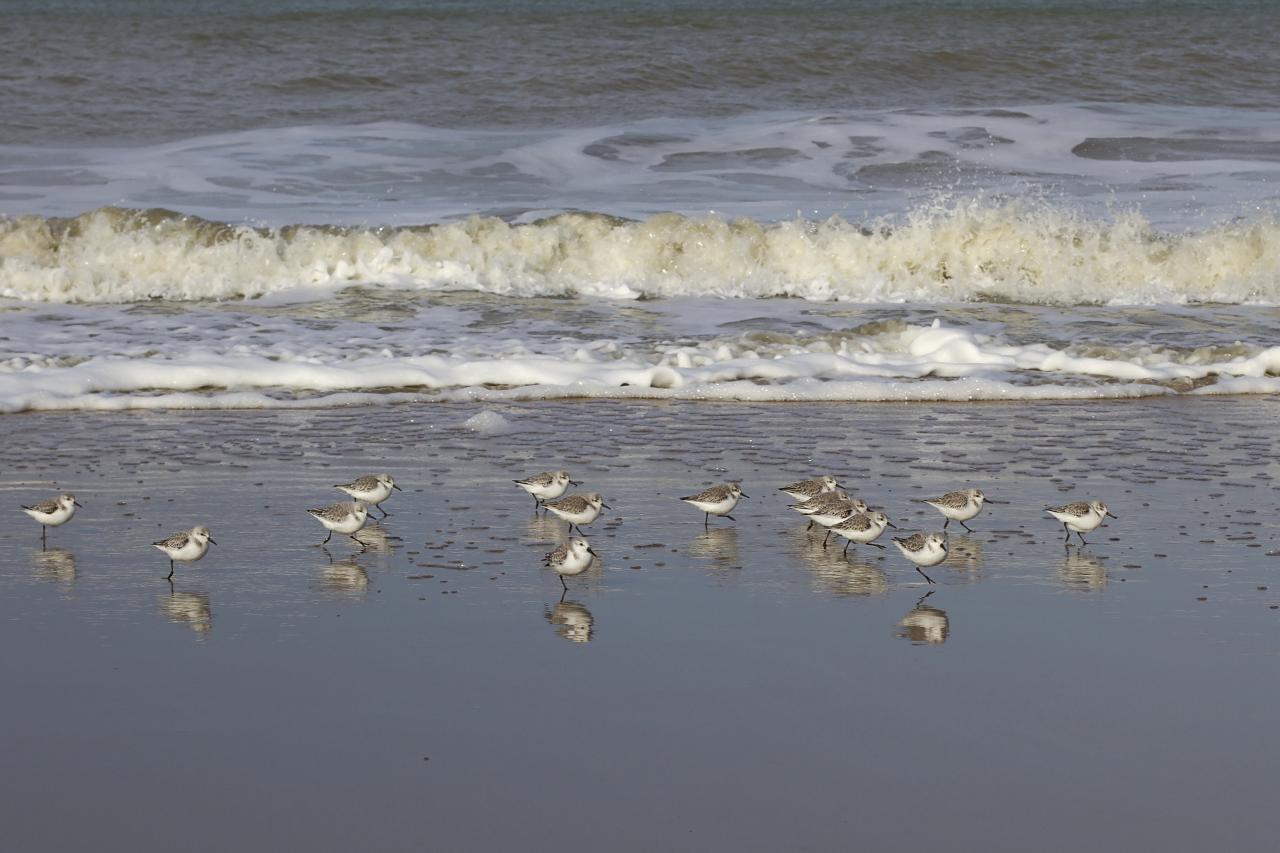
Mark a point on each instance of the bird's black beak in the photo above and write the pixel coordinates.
(77, 503)
(1116, 517)
(605, 505)
(592, 552)
(574, 483)
(211, 542)
(397, 488)
(891, 524)
(743, 495)
(990, 501)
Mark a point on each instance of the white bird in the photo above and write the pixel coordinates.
(185, 547)
(960, 505)
(862, 528)
(924, 550)
(54, 512)
(570, 559)
(371, 489)
(546, 486)
(806, 489)
(578, 509)
(829, 508)
(717, 500)
(344, 517)
(1080, 517)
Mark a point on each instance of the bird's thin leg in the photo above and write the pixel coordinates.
(825, 538)
(876, 545)
(706, 521)
(846, 547)
(562, 583)
(945, 523)
(810, 527)
(570, 530)
(364, 546)
(966, 527)
(381, 510)
(923, 575)
(169, 576)
(730, 517)
(1064, 527)
(327, 538)
(1081, 535)
(44, 537)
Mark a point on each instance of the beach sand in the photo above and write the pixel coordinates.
(731, 689)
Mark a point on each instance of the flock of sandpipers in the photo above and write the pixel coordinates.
(820, 499)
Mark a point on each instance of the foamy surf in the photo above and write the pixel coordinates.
(884, 361)
(1012, 252)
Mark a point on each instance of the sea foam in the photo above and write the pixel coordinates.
(1015, 252)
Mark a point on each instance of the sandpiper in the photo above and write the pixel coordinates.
(185, 547)
(1080, 517)
(54, 512)
(960, 505)
(717, 500)
(578, 509)
(862, 528)
(806, 489)
(546, 486)
(924, 550)
(570, 559)
(371, 489)
(343, 517)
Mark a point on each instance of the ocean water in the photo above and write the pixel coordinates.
(324, 203)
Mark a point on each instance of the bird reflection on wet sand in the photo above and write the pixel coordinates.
(719, 545)
(544, 529)
(925, 625)
(834, 573)
(376, 539)
(57, 565)
(188, 608)
(572, 620)
(345, 577)
(1081, 572)
(964, 557)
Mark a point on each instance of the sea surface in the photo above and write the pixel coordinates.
(335, 202)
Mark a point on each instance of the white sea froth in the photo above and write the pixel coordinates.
(267, 366)
(1011, 252)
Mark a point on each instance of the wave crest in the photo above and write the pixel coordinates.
(1016, 252)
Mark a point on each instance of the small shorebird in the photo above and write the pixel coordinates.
(371, 489)
(806, 489)
(344, 517)
(54, 512)
(717, 500)
(960, 505)
(862, 528)
(578, 509)
(825, 511)
(546, 486)
(185, 547)
(924, 550)
(570, 559)
(1080, 517)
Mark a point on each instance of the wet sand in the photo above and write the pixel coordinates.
(731, 689)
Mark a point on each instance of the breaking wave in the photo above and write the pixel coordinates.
(1017, 252)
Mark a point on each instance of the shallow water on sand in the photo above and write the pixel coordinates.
(733, 688)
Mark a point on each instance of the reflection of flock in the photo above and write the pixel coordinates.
(819, 499)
